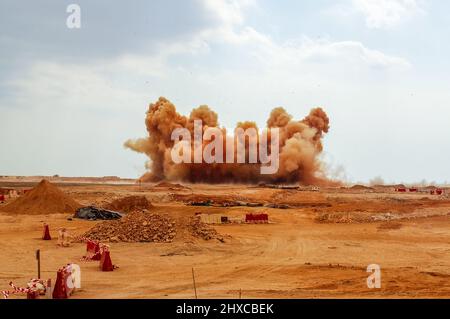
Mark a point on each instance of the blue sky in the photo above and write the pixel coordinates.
(69, 98)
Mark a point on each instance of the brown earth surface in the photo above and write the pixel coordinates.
(319, 247)
(128, 204)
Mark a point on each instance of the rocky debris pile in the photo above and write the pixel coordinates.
(277, 186)
(201, 230)
(370, 217)
(171, 186)
(343, 218)
(94, 213)
(390, 226)
(235, 203)
(45, 198)
(129, 204)
(134, 227)
(383, 217)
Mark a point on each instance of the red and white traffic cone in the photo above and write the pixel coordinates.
(46, 233)
(105, 262)
(59, 291)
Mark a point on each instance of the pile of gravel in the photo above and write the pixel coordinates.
(134, 227)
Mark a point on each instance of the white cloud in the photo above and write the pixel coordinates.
(231, 27)
(250, 45)
(384, 14)
(108, 99)
(51, 85)
(233, 31)
(81, 85)
(228, 12)
(341, 54)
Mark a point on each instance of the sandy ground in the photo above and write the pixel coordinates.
(296, 255)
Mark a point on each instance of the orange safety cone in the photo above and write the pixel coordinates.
(46, 233)
(59, 291)
(105, 262)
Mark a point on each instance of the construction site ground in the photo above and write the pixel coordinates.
(319, 247)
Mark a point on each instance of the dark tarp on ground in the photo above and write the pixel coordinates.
(201, 203)
(93, 213)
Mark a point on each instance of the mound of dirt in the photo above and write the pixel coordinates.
(201, 230)
(344, 218)
(45, 198)
(361, 187)
(129, 204)
(134, 227)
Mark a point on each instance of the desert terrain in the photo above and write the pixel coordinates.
(318, 246)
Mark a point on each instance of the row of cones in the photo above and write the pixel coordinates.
(62, 238)
(62, 291)
(95, 250)
(98, 251)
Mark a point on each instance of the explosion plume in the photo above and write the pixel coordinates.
(300, 144)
